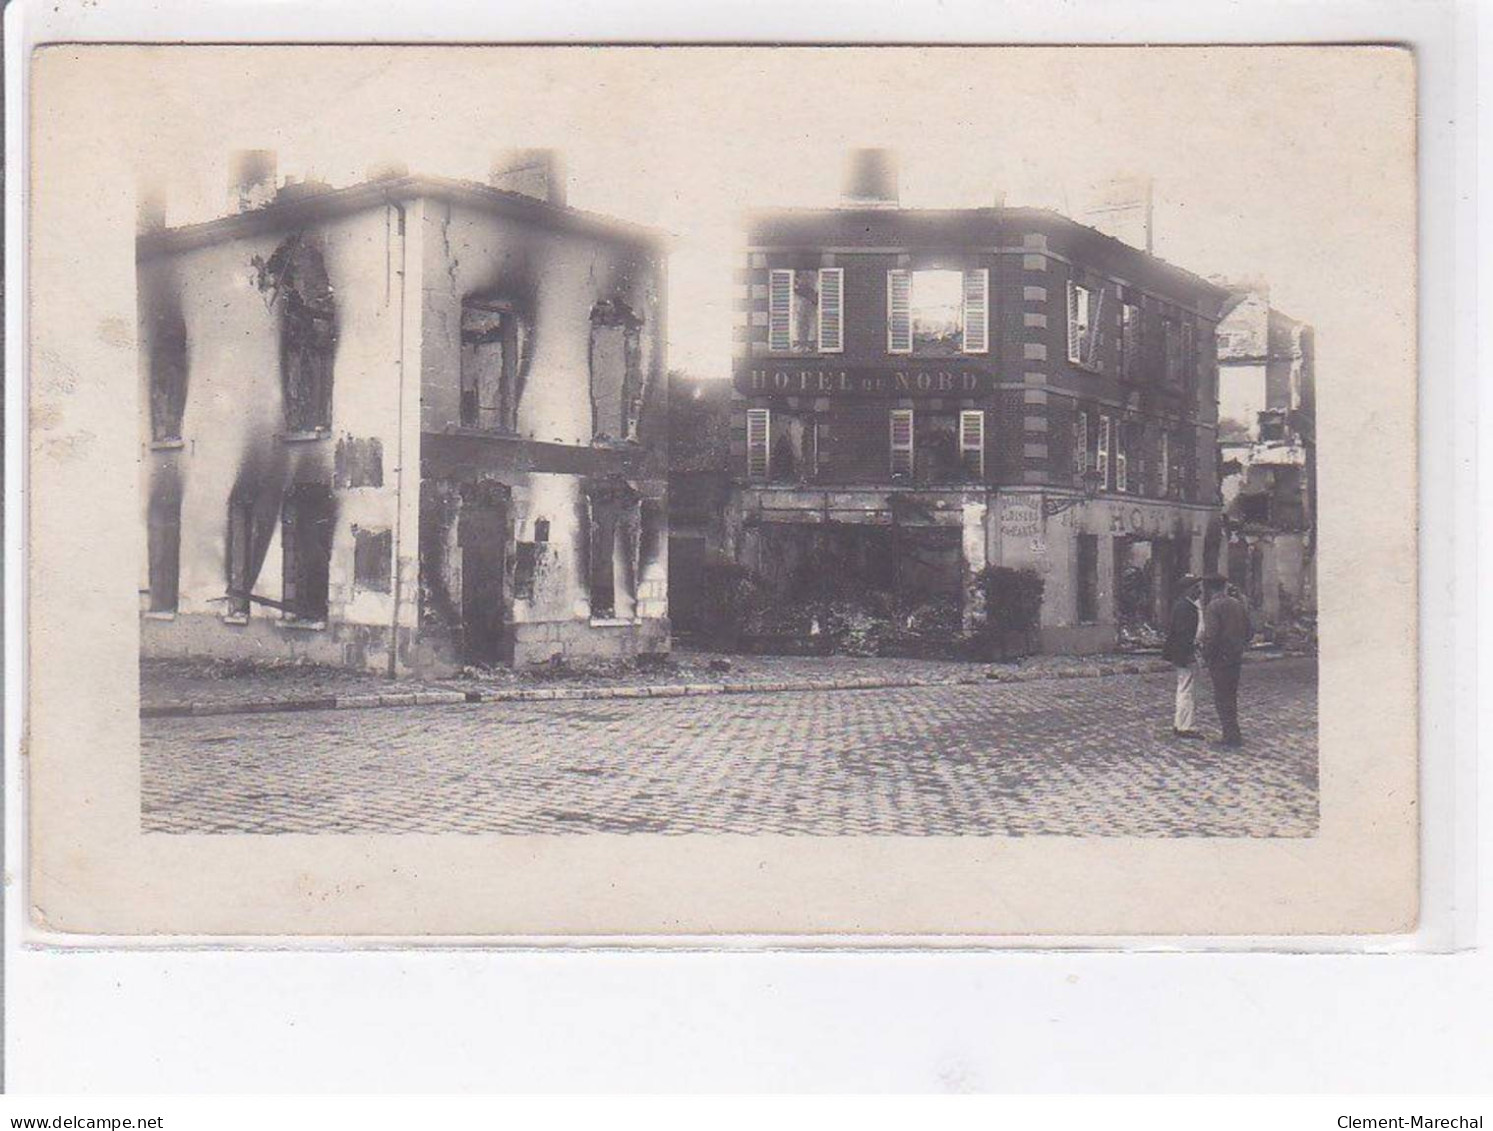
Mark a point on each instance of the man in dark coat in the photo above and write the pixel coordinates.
(1226, 633)
(1180, 650)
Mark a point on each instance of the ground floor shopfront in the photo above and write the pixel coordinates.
(1104, 562)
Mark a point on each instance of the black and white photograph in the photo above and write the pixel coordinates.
(885, 445)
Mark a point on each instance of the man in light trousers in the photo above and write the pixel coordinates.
(1184, 634)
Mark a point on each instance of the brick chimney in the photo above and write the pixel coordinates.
(539, 173)
(871, 178)
(251, 179)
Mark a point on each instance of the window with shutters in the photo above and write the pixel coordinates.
(1102, 454)
(901, 425)
(831, 329)
(1080, 444)
(899, 312)
(780, 311)
(1085, 307)
(791, 446)
(805, 308)
(938, 313)
(759, 458)
(1130, 341)
(972, 443)
(936, 454)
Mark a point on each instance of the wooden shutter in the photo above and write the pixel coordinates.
(1093, 320)
(977, 311)
(1075, 338)
(780, 311)
(1081, 444)
(901, 436)
(1103, 454)
(1122, 458)
(898, 311)
(831, 309)
(972, 442)
(1166, 465)
(758, 452)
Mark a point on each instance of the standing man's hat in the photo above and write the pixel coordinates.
(1188, 579)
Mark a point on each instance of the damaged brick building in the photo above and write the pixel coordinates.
(403, 425)
(918, 394)
(1267, 452)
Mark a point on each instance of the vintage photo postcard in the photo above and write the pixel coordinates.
(816, 493)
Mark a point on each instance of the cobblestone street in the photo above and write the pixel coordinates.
(1072, 757)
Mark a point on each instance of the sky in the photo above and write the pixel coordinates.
(1263, 165)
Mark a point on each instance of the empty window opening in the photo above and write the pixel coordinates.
(937, 457)
(306, 539)
(168, 373)
(1130, 341)
(359, 463)
(489, 366)
(295, 279)
(794, 456)
(937, 312)
(541, 530)
(616, 371)
(247, 542)
(373, 556)
(615, 525)
(1085, 307)
(164, 537)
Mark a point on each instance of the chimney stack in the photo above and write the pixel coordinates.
(539, 173)
(150, 208)
(871, 178)
(251, 179)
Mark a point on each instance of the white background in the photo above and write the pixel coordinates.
(167, 1021)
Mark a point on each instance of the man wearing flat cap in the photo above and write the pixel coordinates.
(1180, 650)
(1226, 633)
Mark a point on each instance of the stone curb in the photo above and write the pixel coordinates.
(651, 691)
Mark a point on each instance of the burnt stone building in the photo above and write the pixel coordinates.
(407, 424)
(1267, 449)
(918, 394)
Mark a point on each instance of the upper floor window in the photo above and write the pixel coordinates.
(1085, 305)
(489, 366)
(616, 371)
(1130, 340)
(1172, 349)
(938, 313)
(168, 372)
(295, 278)
(806, 310)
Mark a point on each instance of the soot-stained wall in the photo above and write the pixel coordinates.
(235, 442)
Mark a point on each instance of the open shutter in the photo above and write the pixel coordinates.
(1094, 320)
(780, 311)
(977, 311)
(972, 442)
(1075, 339)
(1122, 458)
(1103, 453)
(898, 312)
(901, 429)
(1166, 465)
(758, 456)
(831, 309)
(1081, 444)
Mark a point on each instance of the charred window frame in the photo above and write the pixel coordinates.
(240, 554)
(1171, 344)
(306, 539)
(163, 534)
(489, 365)
(295, 280)
(794, 438)
(168, 374)
(616, 363)
(1131, 339)
(614, 518)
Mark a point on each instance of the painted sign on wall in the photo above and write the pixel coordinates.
(808, 379)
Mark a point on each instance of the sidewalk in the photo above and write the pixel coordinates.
(191, 687)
